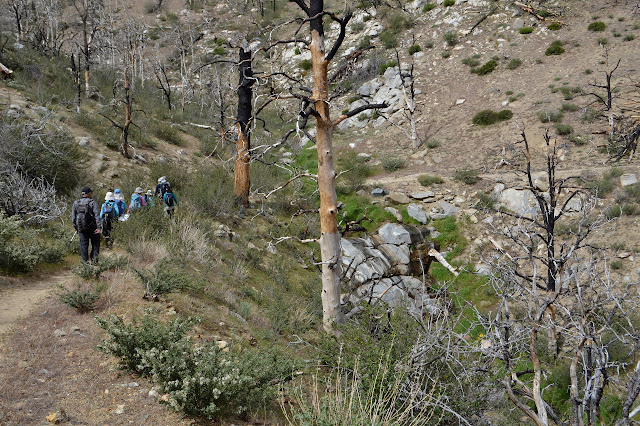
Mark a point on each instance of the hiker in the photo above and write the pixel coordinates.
(85, 216)
(122, 205)
(162, 186)
(148, 197)
(170, 201)
(137, 200)
(108, 212)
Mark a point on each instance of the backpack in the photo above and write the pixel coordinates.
(135, 203)
(164, 187)
(85, 219)
(168, 199)
(108, 210)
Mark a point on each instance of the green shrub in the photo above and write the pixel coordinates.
(415, 48)
(514, 63)
(603, 41)
(428, 7)
(487, 68)
(550, 116)
(165, 278)
(388, 39)
(129, 342)
(569, 107)
(554, 26)
(597, 26)
(629, 37)
(89, 271)
(433, 143)
(81, 299)
(19, 247)
(167, 133)
(466, 175)
(526, 30)
(563, 129)
(445, 54)
(396, 22)
(448, 3)
(555, 48)
(428, 44)
(200, 379)
(613, 212)
(451, 37)
(383, 67)
(42, 150)
(471, 62)
(485, 201)
(210, 191)
(428, 180)
(487, 117)
(306, 64)
(393, 164)
(616, 264)
(364, 42)
(578, 140)
(356, 171)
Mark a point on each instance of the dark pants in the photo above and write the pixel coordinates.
(85, 238)
(106, 230)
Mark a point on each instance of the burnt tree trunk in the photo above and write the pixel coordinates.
(243, 156)
(124, 137)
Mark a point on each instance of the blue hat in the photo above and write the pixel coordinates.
(117, 191)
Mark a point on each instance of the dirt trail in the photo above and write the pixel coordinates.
(20, 297)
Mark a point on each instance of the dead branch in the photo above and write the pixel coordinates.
(440, 258)
(6, 73)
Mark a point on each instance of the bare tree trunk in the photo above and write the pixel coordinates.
(243, 157)
(124, 138)
(330, 238)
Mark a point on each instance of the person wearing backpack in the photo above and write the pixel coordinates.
(137, 200)
(108, 213)
(148, 198)
(170, 201)
(119, 200)
(85, 216)
(162, 187)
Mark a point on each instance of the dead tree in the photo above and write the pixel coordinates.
(607, 99)
(88, 14)
(245, 98)
(319, 100)
(160, 72)
(562, 290)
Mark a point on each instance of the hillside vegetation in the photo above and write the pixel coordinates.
(497, 138)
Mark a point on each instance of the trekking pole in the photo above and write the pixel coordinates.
(74, 235)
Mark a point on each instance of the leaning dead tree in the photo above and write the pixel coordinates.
(319, 101)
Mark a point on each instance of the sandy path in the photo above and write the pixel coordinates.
(20, 297)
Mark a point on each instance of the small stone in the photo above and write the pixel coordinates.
(623, 254)
(133, 385)
(59, 333)
(154, 394)
(379, 192)
(165, 397)
(120, 409)
(398, 198)
(394, 212)
(84, 142)
(460, 101)
(422, 195)
(628, 179)
(75, 328)
(473, 219)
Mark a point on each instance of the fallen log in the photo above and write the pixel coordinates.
(6, 73)
(440, 258)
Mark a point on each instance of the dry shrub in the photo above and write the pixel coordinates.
(192, 242)
(147, 250)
